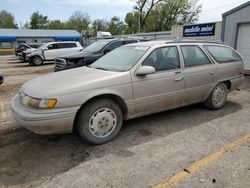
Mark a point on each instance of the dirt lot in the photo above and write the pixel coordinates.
(200, 148)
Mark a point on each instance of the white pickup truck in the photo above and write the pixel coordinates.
(49, 51)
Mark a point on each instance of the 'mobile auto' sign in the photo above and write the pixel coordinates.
(199, 30)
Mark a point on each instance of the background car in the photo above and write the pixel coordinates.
(91, 53)
(50, 51)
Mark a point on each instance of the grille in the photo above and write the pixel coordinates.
(59, 62)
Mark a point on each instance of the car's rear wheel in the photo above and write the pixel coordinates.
(100, 121)
(218, 97)
(37, 60)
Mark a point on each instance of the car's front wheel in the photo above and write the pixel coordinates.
(100, 121)
(218, 97)
(36, 60)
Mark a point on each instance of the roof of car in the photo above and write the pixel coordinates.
(160, 43)
(121, 39)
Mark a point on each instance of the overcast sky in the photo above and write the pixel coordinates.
(101, 9)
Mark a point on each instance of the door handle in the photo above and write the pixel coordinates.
(178, 79)
(212, 73)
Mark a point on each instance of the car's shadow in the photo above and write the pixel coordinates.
(28, 158)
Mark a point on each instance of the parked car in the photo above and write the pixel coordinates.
(1, 80)
(33, 47)
(23, 46)
(49, 51)
(91, 53)
(131, 81)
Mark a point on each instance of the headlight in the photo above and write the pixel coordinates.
(37, 103)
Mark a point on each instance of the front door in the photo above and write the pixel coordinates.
(162, 90)
(51, 51)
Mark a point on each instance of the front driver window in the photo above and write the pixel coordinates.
(163, 59)
(52, 46)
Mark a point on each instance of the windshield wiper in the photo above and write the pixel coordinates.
(100, 68)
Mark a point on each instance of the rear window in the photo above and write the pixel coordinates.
(223, 54)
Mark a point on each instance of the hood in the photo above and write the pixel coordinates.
(30, 50)
(72, 81)
(78, 55)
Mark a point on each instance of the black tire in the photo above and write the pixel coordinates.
(215, 101)
(37, 60)
(88, 113)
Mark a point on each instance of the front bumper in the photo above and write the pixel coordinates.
(55, 121)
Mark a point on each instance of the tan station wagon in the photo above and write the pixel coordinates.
(132, 81)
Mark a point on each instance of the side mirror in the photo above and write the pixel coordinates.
(145, 70)
(107, 50)
(45, 49)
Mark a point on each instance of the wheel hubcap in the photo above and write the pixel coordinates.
(103, 122)
(37, 60)
(219, 95)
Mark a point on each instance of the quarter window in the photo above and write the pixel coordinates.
(194, 56)
(163, 59)
(223, 54)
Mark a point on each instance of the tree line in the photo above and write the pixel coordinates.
(146, 16)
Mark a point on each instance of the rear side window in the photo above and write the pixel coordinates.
(129, 42)
(194, 56)
(66, 45)
(223, 54)
(115, 45)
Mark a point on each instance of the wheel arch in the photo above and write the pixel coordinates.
(114, 97)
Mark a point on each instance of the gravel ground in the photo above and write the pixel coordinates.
(148, 150)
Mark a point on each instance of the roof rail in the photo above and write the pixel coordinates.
(195, 41)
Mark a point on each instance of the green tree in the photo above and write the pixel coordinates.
(7, 20)
(100, 25)
(171, 12)
(38, 21)
(116, 26)
(79, 21)
(131, 19)
(56, 24)
(144, 8)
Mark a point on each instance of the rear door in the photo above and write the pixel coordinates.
(199, 73)
(65, 48)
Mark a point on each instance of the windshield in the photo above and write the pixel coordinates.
(121, 59)
(96, 46)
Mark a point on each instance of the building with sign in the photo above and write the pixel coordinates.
(9, 38)
(204, 31)
(236, 31)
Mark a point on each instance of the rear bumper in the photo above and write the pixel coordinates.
(55, 121)
(236, 83)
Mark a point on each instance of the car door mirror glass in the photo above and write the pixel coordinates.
(145, 70)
